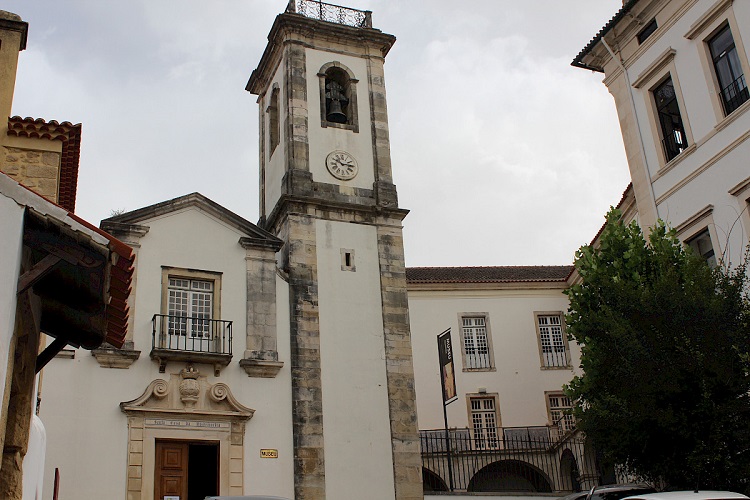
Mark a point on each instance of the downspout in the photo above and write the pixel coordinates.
(637, 126)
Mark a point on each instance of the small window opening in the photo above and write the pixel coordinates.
(347, 260)
(647, 31)
(273, 121)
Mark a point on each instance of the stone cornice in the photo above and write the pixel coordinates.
(300, 28)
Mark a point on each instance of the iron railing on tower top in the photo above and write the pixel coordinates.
(322, 11)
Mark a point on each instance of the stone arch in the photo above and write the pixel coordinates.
(334, 75)
(510, 475)
(569, 472)
(432, 481)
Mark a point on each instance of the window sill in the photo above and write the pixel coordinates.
(731, 117)
(489, 369)
(162, 356)
(675, 161)
(343, 126)
(565, 367)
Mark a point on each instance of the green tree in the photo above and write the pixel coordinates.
(664, 352)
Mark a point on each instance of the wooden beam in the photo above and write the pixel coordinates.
(37, 272)
(50, 352)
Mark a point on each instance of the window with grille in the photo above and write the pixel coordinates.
(552, 341)
(484, 423)
(560, 414)
(729, 74)
(475, 337)
(190, 306)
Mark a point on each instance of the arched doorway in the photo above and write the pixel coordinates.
(569, 473)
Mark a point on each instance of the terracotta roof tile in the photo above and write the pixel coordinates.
(70, 135)
(490, 274)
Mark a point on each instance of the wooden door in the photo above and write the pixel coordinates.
(170, 478)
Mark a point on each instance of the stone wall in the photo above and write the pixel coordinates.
(35, 169)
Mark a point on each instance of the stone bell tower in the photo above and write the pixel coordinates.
(326, 190)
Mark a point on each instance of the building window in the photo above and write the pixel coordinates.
(647, 31)
(553, 345)
(273, 121)
(475, 342)
(338, 97)
(729, 74)
(484, 422)
(701, 245)
(673, 138)
(190, 318)
(560, 408)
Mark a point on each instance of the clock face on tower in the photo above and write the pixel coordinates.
(341, 165)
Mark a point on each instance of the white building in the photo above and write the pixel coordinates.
(676, 69)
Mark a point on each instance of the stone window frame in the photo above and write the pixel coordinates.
(569, 424)
(168, 272)
(720, 15)
(697, 224)
(542, 360)
(648, 80)
(351, 91)
(470, 397)
(274, 125)
(490, 350)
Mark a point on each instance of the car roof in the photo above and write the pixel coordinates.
(687, 495)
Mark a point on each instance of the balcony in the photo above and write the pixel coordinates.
(191, 339)
(506, 459)
(734, 94)
(321, 11)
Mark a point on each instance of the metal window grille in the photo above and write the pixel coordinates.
(476, 345)
(484, 423)
(552, 340)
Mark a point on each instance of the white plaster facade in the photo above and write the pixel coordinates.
(89, 436)
(705, 186)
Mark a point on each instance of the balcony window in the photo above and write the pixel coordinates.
(484, 423)
(673, 138)
(191, 329)
(729, 74)
(560, 411)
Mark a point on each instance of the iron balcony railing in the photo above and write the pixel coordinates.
(505, 459)
(322, 11)
(191, 334)
(734, 94)
(674, 143)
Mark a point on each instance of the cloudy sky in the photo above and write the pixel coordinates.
(503, 152)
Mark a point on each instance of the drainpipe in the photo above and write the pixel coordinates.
(637, 126)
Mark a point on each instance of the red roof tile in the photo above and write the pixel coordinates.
(490, 274)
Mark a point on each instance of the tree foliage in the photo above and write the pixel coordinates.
(664, 351)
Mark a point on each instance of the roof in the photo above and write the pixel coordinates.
(258, 236)
(70, 135)
(490, 274)
(578, 61)
(119, 255)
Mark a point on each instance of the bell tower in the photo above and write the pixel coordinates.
(327, 191)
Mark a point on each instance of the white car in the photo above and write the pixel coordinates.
(688, 495)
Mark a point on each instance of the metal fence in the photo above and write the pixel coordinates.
(191, 334)
(518, 459)
(322, 11)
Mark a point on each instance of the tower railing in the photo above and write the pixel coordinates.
(315, 9)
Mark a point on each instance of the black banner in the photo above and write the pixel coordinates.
(445, 355)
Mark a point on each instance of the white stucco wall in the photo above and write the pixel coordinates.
(11, 244)
(518, 379)
(716, 160)
(323, 141)
(87, 432)
(356, 421)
